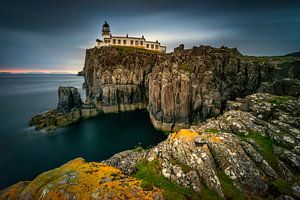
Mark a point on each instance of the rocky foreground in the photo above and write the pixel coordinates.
(251, 151)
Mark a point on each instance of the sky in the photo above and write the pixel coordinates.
(52, 35)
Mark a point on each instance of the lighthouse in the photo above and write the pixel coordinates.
(127, 41)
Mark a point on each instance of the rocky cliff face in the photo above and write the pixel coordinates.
(185, 87)
(254, 147)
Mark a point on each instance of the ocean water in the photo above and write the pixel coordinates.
(25, 153)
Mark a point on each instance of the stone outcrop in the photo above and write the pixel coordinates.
(185, 87)
(255, 144)
(68, 98)
(69, 110)
(81, 180)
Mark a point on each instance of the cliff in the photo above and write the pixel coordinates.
(251, 151)
(184, 87)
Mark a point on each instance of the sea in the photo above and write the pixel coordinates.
(25, 152)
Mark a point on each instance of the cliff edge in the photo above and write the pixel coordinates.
(185, 87)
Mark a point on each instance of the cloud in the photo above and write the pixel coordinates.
(55, 33)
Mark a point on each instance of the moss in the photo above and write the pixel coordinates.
(266, 144)
(183, 167)
(148, 172)
(229, 189)
(277, 100)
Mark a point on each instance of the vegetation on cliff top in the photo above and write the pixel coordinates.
(122, 49)
(271, 59)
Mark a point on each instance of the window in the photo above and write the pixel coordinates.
(141, 43)
(136, 42)
(152, 46)
(107, 41)
(124, 42)
(147, 46)
(114, 41)
(119, 41)
(131, 42)
(156, 46)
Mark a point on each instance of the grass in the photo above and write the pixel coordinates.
(266, 144)
(148, 172)
(268, 59)
(210, 130)
(277, 100)
(229, 189)
(124, 49)
(208, 194)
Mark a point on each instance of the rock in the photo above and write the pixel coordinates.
(81, 180)
(126, 160)
(80, 73)
(185, 87)
(296, 190)
(200, 141)
(69, 110)
(68, 98)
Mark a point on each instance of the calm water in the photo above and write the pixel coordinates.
(25, 153)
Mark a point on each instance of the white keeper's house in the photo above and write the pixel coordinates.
(110, 40)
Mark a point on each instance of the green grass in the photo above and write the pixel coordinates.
(268, 59)
(124, 49)
(279, 99)
(229, 189)
(210, 130)
(148, 172)
(208, 194)
(266, 144)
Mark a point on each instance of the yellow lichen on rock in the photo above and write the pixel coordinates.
(214, 138)
(184, 135)
(82, 180)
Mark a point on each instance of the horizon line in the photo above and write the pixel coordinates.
(37, 71)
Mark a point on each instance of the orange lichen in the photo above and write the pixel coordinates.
(184, 135)
(214, 138)
(13, 191)
(81, 180)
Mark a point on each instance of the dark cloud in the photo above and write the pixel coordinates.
(54, 33)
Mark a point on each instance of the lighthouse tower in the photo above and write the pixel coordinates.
(105, 31)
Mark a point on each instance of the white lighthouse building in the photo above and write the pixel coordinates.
(109, 40)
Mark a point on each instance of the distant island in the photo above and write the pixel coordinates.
(296, 54)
